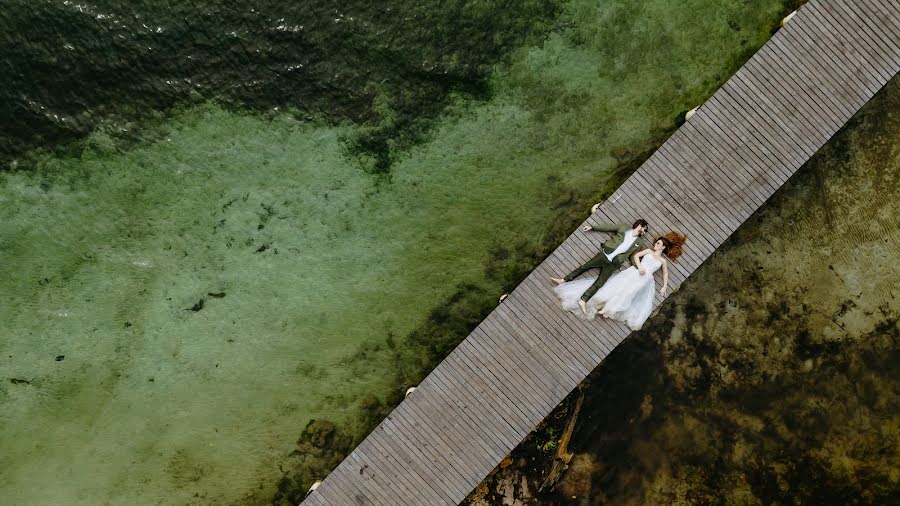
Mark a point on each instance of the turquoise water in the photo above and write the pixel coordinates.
(191, 283)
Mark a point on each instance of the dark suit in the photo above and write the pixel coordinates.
(607, 267)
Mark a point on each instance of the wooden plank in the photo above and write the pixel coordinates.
(482, 394)
(714, 188)
(844, 48)
(532, 414)
(700, 189)
(544, 337)
(416, 433)
(724, 111)
(334, 487)
(538, 370)
(460, 433)
(546, 343)
(726, 161)
(803, 80)
(380, 466)
(767, 73)
(356, 489)
(543, 310)
(795, 143)
(359, 488)
(591, 333)
(314, 499)
(825, 90)
(567, 257)
(876, 21)
(562, 368)
(554, 376)
(508, 404)
(543, 313)
(702, 145)
(543, 292)
(468, 393)
(516, 365)
(510, 364)
(746, 127)
(540, 367)
(431, 480)
(588, 243)
(512, 394)
(578, 368)
(483, 398)
(469, 401)
(827, 72)
(613, 329)
(880, 25)
(806, 36)
(580, 244)
(458, 441)
(851, 47)
(536, 310)
(868, 48)
(782, 80)
(883, 17)
(731, 155)
(664, 176)
(791, 147)
(754, 163)
(699, 146)
(401, 440)
(390, 446)
(793, 104)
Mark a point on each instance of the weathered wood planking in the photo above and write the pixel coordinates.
(707, 179)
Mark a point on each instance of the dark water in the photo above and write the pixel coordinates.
(69, 66)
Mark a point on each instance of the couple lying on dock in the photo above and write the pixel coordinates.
(626, 296)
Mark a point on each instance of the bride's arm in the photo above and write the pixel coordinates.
(662, 291)
(637, 260)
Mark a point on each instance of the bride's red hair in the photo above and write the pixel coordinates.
(674, 243)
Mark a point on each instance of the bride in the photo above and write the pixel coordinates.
(628, 295)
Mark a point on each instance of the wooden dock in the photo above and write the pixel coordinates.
(718, 168)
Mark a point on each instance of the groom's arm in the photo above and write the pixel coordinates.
(607, 227)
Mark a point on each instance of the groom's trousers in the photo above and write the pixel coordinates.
(606, 267)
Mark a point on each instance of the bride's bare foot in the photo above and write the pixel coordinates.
(583, 306)
(558, 281)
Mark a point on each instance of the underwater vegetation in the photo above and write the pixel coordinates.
(240, 294)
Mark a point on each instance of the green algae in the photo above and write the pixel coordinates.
(222, 282)
(773, 376)
(390, 68)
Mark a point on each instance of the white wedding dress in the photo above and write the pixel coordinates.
(627, 296)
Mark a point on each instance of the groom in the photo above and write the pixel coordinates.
(613, 254)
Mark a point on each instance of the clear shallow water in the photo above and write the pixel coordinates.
(329, 281)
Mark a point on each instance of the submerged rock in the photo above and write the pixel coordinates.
(318, 433)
